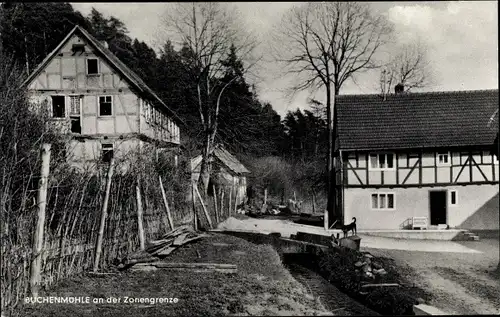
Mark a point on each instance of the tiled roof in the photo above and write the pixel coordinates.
(226, 158)
(409, 120)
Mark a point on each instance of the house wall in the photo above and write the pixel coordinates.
(66, 75)
(477, 207)
(414, 168)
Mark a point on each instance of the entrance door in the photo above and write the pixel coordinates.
(437, 201)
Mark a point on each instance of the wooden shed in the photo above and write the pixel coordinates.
(228, 173)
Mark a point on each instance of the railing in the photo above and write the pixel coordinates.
(414, 222)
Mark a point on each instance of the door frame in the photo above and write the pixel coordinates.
(446, 204)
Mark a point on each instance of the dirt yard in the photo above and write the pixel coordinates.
(459, 283)
(262, 287)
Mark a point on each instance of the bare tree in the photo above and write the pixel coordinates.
(208, 29)
(409, 67)
(324, 44)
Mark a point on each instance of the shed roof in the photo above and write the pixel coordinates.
(423, 120)
(229, 160)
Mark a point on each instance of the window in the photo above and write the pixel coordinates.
(105, 106)
(74, 105)
(92, 66)
(383, 201)
(381, 161)
(453, 197)
(443, 159)
(107, 152)
(58, 107)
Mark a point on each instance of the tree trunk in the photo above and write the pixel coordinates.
(330, 173)
(206, 162)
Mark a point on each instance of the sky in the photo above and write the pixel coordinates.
(461, 40)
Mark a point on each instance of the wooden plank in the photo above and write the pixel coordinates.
(36, 263)
(411, 171)
(397, 168)
(140, 224)
(203, 206)
(215, 204)
(165, 202)
(470, 166)
(194, 265)
(179, 240)
(381, 285)
(104, 214)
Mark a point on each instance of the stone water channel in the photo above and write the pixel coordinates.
(294, 256)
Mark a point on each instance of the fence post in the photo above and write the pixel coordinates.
(140, 224)
(35, 277)
(104, 214)
(230, 200)
(265, 196)
(236, 199)
(222, 203)
(204, 207)
(193, 199)
(170, 221)
(215, 205)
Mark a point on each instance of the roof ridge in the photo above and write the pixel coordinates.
(444, 92)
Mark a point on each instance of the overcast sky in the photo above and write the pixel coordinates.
(462, 40)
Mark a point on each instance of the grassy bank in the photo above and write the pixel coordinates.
(262, 286)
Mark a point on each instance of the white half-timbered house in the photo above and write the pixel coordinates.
(101, 105)
(427, 155)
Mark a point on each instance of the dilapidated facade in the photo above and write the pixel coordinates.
(101, 106)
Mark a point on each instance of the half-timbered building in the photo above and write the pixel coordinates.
(101, 105)
(427, 155)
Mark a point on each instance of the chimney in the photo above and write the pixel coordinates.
(400, 88)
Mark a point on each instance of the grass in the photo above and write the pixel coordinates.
(262, 286)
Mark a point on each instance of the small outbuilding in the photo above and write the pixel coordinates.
(228, 173)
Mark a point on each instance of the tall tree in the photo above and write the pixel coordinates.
(327, 43)
(31, 31)
(207, 31)
(409, 66)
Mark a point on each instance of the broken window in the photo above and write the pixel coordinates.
(58, 107)
(105, 106)
(92, 66)
(107, 152)
(74, 114)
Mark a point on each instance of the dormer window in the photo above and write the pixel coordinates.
(92, 66)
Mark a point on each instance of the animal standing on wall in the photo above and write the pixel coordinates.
(350, 227)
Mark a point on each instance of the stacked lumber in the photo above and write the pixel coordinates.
(162, 247)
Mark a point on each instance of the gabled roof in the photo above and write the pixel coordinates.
(410, 120)
(226, 158)
(125, 71)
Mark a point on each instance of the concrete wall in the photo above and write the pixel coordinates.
(477, 207)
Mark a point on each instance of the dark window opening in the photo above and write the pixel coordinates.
(105, 106)
(453, 198)
(93, 66)
(107, 152)
(76, 126)
(58, 107)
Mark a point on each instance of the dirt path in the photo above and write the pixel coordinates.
(262, 286)
(460, 283)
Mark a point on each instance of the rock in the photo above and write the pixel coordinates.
(381, 272)
(368, 260)
(420, 301)
(367, 255)
(376, 265)
(359, 264)
(367, 268)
